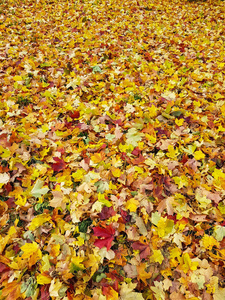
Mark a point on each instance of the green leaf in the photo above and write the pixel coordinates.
(96, 69)
(23, 287)
(102, 186)
(83, 226)
(176, 113)
(62, 291)
(100, 277)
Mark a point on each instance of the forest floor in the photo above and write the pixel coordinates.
(112, 132)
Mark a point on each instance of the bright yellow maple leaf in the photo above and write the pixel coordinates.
(152, 111)
(172, 153)
(218, 173)
(116, 172)
(157, 256)
(132, 204)
(208, 242)
(186, 263)
(29, 249)
(17, 78)
(198, 155)
(39, 220)
(179, 122)
(164, 227)
(43, 279)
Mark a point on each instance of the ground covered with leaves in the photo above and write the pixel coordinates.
(112, 131)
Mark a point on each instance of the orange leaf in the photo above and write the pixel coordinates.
(142, 274)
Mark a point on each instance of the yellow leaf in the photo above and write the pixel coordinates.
(132, 204)
(45, 264)
(152, 111)
(43, 279)
(77, 262)
(172, 153)
(78, 175)
(218, 96)
(29, 249)
(44, 128)
(38, 221)
(92, 262)
(179, 122)
(181, 181)
(151, 138)
(199, 155)
(102, 199)
(55, 287)
(209, 241)
(164, 227)
(21, 201)
(116, 172)
(157, 256)
(17, 78)
(187, 264)
(55, 250)
(31, 252)
(218, 173)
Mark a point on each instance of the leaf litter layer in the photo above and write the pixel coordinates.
(112, 121)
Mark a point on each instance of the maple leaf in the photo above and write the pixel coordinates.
(4, 178)
(107, 212)
(12, 290)
(142, 274)
(132, 204)
(158, 290)
(32, 252)
(57, 200)
(107, 234)
(110, 293)
(59, 164)
(133, 137)
(143, 248)
(45, 292)
(157, 256)
(43, 279)
(127, 293)
(37, 190)
(39, 220)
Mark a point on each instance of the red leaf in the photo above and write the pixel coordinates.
(144, 249)
(104, 232)
(11, 202)
(104, 243)
(75, 114)
(108, 235)
(138, 160)
(107, 212)
(3, 268)
(136, 151)
(125, 216)
(59, 165)
(45, 292)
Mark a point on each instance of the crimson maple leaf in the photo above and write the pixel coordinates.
(143, 248)
(45, 292)
(59, 164)
(107, 212)
(107, 235)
